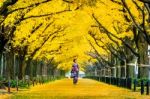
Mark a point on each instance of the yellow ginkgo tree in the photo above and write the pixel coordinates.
(60, 30)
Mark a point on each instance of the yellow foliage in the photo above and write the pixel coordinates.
(75, 21)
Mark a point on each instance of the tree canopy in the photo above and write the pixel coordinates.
(67, 29)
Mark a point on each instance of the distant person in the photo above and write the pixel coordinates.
(75, 71)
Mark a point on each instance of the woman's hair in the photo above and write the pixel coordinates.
(74, 60)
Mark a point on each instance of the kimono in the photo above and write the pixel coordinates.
(75, 70)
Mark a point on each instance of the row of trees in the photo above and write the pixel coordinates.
(38, 37)
(10, 67)
(128, 39)
(50, 33)
(18, 47)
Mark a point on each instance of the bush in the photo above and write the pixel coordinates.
(139, 82)
(1, 78)
(21, 84)
(24, 84)
(13, 83)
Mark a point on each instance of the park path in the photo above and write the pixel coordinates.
(85, 89)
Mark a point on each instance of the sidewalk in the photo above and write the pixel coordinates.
(85, 89)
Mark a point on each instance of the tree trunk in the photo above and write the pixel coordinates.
(22, 65)
(2, 64)
(143, 59)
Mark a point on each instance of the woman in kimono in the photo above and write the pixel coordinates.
(75, 71)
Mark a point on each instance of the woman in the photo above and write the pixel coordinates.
(75, 71)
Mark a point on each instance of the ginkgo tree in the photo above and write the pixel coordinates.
(128, 27)
(36, 30)
(60, 30)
